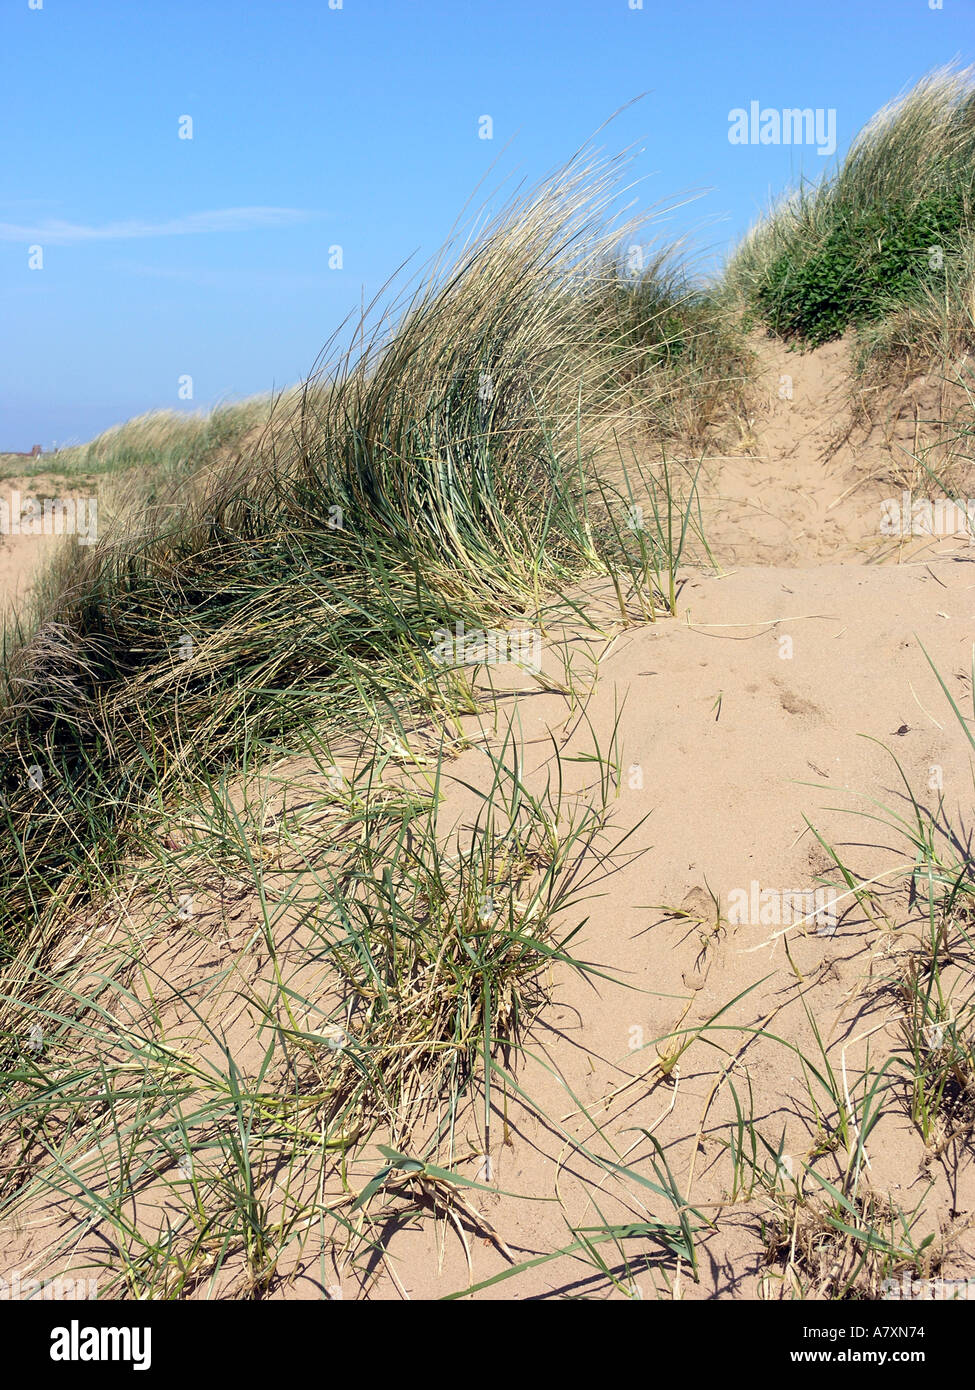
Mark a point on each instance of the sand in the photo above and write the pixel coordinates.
(23, 557)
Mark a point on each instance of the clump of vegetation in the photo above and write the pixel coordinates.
(401, 963)
(870, 258)
(442, 474)
(160, 445)
(889, 229)
(678, 345)
(165, 439)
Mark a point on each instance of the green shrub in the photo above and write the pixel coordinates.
(853, 249)
(872, 257)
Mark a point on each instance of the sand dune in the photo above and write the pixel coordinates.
(752, 733)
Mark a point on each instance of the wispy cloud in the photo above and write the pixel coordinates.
(58, 233)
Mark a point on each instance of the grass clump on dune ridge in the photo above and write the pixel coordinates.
(161, 446)
(444, 476)
(162, 439)
(889, 229)
(683, 351)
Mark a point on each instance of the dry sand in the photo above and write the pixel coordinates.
(23, 557)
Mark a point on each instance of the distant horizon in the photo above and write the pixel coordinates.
(195, 204)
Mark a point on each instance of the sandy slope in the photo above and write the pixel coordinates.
(806, 483)
(727, 802)
(766, 683)
(769, 681)
(740, 720)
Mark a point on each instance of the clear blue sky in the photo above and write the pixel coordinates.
(358, 127)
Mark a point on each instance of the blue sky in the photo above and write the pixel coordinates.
(357, 127)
